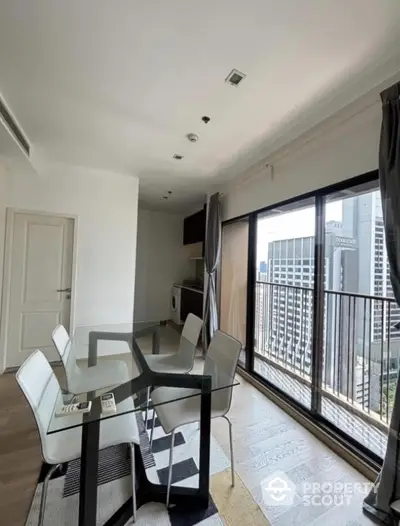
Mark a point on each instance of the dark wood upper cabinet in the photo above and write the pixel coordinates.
(194, 227)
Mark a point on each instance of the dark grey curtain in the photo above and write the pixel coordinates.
(387, 486)
(212, 253)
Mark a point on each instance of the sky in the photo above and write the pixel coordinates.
(289, 225)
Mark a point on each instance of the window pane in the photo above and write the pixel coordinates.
(361, 341)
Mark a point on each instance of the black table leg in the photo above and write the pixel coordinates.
(156, 341)
(89, 471)
(205, 436)
(146, 491)
(89, 453)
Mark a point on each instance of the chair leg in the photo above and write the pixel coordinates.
(231, 450)
(44, 493)
(147, 405)
(133, 481)
(152, 429)
(171, 455)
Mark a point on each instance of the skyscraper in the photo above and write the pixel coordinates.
(289, 321)
(288, 324)
(367, 270)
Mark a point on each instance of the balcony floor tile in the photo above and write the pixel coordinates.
(364, 432)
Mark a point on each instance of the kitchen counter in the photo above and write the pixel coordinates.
(200, 291)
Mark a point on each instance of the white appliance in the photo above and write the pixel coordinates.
(176, 305)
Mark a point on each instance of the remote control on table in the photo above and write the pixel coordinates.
(108, 406)
(73, 409)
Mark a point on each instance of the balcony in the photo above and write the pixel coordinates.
(360, 355)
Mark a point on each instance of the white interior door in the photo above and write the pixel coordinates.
(40, 284)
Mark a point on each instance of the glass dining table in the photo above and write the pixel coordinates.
(134, 342)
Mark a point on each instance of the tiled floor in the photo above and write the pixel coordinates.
(268, 442)
(365, 433)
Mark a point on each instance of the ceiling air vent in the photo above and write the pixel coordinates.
(13, 127)
(235, 78)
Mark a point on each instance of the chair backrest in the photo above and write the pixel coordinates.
(41, 388)
(220, 363)
(63, 344)
(189, 339)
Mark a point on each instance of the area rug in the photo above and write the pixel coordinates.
(114, 482)
(237, 507)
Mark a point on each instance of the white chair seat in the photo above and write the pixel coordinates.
(181, 361)
(166, 363)
(105, 374)
(175, 411)
(66, 445)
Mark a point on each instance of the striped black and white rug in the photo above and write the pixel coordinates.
(114, 481)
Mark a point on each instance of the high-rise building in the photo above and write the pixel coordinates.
(289, 321)
(367, 271)
(288, 324)
(263, 267)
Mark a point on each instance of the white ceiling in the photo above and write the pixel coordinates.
(117, 85)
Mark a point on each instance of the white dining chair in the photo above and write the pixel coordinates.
(181, 361)
(41, 389)
(82, 380)
(173, 410)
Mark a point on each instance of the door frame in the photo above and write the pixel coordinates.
(6, 279)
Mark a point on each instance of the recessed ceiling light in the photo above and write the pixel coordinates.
(177, 157)
(235, 78)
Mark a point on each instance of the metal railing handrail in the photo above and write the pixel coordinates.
(284, 285)
(336, 292)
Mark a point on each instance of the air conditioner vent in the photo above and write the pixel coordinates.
(235, 78)
(13, 127)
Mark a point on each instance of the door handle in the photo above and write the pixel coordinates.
(63, 290)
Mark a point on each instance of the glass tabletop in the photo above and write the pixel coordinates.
(82, 333)
(95, 347)
(80, 338)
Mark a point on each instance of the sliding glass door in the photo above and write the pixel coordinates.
(362, 336)
(305, 286)
(284, 298)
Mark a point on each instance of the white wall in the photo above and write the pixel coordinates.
(341, 148)
(106, 207)
(161, 261)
